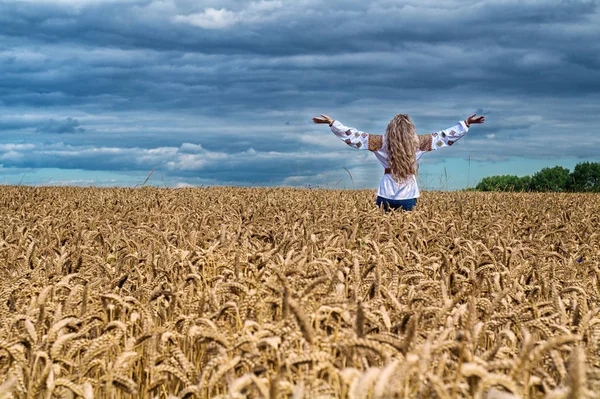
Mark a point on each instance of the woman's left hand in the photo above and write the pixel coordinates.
(323, 119)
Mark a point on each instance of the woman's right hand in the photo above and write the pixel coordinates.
(323, 119)
(474, 119)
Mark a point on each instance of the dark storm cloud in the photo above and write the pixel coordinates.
(188, 160)
(277, 27)
(232, 77)
(523, 45)
(68, 125)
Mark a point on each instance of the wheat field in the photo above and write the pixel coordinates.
(288, 293)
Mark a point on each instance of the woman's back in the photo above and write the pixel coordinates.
(399, 150)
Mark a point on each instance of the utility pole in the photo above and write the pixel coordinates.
(469, 172)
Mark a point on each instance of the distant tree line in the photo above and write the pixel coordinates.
(584, 178)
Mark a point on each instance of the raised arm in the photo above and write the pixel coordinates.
(447, 137)
(351, 136)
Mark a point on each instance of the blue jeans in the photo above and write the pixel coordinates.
(406, 204)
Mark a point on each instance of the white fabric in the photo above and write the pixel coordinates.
(388, 188)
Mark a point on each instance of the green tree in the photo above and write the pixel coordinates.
(525, 183)
(504, 183)
(551, 179)
(585, 177)
(490, 183)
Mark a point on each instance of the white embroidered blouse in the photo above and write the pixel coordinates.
(375, 143)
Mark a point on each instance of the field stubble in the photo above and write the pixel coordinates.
(277, 292)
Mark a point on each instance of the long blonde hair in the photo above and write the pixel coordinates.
(402, 144)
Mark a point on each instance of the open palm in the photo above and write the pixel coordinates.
(475, 119)
(322, 119)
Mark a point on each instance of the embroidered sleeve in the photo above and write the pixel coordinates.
(375, 142)
(356, 138)
(447, 137)
(425, 141)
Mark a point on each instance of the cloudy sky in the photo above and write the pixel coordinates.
(101, 92)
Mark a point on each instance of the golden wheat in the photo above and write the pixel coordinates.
(237, 292)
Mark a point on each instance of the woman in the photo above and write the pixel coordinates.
(398, 151)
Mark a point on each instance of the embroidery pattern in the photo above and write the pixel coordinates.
(348, 141)
(425, 141)
(358, 145)
(450, 142)
(356, 134)
(375, 142)
(364, 135)
(443, 134)
(348, 133)
(452, 133)
(440, 143)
